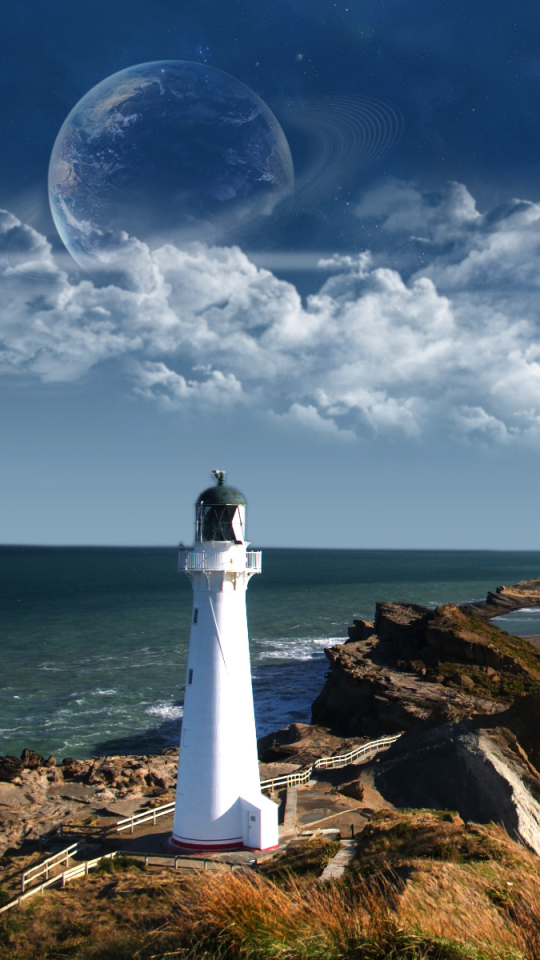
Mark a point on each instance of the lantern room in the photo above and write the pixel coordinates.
(220, 513)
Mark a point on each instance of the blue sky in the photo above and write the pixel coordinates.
(364, 362)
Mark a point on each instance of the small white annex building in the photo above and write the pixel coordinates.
(219, 805)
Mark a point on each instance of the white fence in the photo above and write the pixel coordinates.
(44, 868)
(80, 870)
(146, 816)
(83, 869)
(150, 816)
(205, 560)
(325, 763)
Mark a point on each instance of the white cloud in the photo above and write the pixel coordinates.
(308, 418)
(453, 348)
(172, 391)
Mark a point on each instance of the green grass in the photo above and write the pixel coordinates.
(517, 648)
(300, 860)
(120, 865)
(508, 686)
(282, 912)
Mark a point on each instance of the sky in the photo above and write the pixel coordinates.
(363, 359)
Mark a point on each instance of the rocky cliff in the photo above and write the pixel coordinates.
(467, 695)
(506, 599)
(483, 767)
(414, 665)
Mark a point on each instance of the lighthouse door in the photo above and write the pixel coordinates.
(253, 828)
(251, 816)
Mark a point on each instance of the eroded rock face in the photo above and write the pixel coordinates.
(361, 698)
(36, 795)
(302, 743)
(418, 665)
(354, 789)
(506, 599)
(476, 767)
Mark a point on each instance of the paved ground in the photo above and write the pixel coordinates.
(320, 805)
(303, 811)
(335, 867)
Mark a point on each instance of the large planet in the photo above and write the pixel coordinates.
(169, 151)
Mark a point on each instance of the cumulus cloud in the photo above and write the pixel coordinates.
(450, 347)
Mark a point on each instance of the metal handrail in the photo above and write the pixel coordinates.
(83, 869)
(145, 816)
(193, 560)
(303, 776)
(45, 866)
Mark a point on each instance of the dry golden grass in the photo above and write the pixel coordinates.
(422, 887)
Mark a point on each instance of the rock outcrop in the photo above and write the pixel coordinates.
(506, 600)
(414, 666)
(477, 767)
(301, 743)
(467, 695)
(37, 795)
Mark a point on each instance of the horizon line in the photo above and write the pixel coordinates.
(154, 546)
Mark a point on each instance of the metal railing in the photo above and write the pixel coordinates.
(44, 868)
(83, 869)
(324, 763)
(192, 560)
(145, 816)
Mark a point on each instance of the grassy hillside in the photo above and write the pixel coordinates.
(424, 885)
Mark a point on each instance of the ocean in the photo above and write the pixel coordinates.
(94, 640)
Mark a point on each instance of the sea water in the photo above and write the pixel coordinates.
(94, 640)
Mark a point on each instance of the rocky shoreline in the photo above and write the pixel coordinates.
(465, 694)
(37, 795)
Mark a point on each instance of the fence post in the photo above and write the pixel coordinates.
(154, 816)
(132, 827)
(63, 879)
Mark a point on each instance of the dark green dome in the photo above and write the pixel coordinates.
(220, 494)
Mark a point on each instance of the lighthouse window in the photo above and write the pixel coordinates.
(195, 615)
(220, 522)
(190, 676)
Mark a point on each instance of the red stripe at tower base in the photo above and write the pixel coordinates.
(172, 845)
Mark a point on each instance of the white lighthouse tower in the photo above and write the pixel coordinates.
(219, 805)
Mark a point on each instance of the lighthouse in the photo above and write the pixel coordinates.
(219, 804)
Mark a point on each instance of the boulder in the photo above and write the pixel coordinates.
(360, 630)
(354, 789)
(74, 769)
(10, 767)
(402, 624)
(31, 760)
(462, 680)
